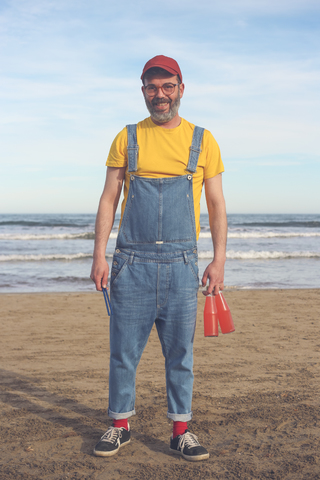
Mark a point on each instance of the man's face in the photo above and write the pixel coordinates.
(163, 108)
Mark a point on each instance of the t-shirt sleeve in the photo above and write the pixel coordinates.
(213, 165)
(118, 151)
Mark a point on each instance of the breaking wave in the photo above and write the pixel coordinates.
(263, 255)
(41, 257)
(113, 235)
(264, 234)
(231, 255)
(54, 236)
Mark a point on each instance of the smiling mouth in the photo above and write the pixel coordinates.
(160, 106)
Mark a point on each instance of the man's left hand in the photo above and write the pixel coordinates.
(215, 274)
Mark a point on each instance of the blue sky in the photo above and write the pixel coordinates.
(70, 80)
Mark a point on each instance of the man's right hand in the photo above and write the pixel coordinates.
(99, 274)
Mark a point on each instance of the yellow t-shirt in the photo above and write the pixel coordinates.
(164, 152)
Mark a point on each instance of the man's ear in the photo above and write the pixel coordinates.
(181, 89)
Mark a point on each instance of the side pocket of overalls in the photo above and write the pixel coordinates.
(193, 265)
(119, 264)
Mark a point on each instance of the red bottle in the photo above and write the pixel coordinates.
(224, 314)
(210, 317)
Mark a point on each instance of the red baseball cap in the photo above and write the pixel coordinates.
(166, 63)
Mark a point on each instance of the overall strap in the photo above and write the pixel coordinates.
(195, 149)
(132, 148)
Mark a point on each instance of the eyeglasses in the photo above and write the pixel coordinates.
(167, 88)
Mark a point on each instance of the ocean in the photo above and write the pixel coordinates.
(53, 253)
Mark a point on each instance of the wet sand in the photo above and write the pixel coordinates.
(256, 392)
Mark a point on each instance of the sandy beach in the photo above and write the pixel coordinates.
(256, 392)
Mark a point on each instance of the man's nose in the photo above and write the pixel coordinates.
(160, 92)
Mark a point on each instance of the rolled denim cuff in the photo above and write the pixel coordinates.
(120, 416)
(176, 417)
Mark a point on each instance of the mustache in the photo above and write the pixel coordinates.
(159, 101)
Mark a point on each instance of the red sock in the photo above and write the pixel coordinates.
(121, 423)
(179, 428)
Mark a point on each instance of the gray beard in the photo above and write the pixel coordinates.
(165, 116)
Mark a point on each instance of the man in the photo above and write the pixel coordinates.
(163, 161)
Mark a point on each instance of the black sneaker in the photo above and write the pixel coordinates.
(111, 441)
(188, 446)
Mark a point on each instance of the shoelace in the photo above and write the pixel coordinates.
(188, 440)
(112, 435)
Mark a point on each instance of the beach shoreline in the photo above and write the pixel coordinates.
(227, 289)
(256, 391)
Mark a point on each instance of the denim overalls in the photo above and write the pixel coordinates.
(154, 279)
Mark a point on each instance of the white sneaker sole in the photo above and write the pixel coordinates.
(190, 458)
(98, 453)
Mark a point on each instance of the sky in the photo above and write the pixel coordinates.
(70, 81)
